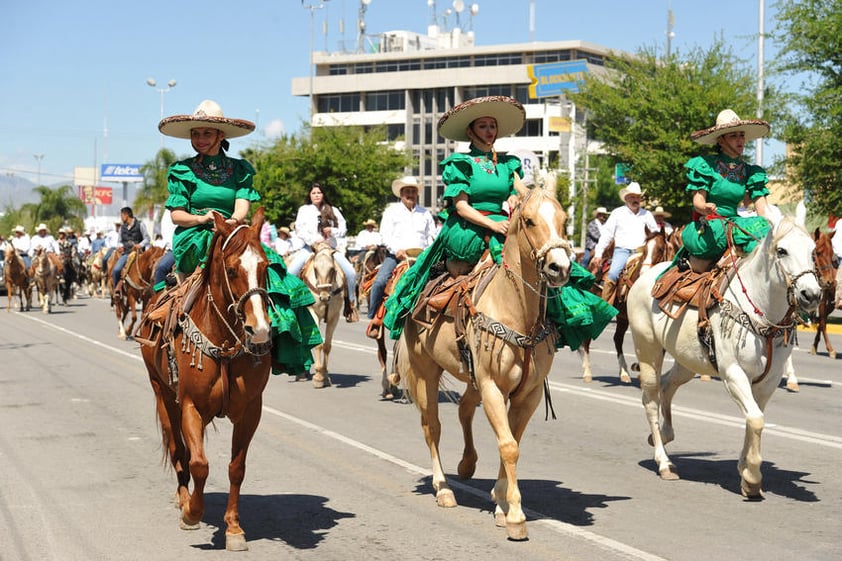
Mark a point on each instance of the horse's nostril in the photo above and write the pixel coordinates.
(249, 330)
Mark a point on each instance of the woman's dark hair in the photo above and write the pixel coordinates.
(326, 218)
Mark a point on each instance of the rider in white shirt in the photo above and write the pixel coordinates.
(626, 226)
(43, 240)
(22, 244)
(368, 238)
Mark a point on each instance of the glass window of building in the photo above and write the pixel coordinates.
(386, 100)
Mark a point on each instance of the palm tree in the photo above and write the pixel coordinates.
(57, 207)
(153, 192)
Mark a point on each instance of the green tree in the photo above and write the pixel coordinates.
(644, 108)
(811, 34)
(153, 192)
(57, 207)
(354, 165)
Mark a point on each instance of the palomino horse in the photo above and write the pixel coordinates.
(137, 287)
(325, 279)
(827, 266)
(219, 353)
(656, 249)
(751, 328)
(17, 280)
(96, 273)
(45, 273)
(510, 345)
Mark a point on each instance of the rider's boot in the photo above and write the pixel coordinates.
(351, 315)
(608, 289)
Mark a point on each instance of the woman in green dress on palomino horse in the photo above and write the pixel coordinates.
(476, 186)
(213, 181)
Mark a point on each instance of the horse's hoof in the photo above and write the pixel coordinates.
(446, 499)
(394, 378)
(751, 492)
(669, 473)
(704, 378)
(832, 355)
(793, 387)
(236, 542)
(185, 524)
(517, 532)
(587, 378)
(499, 519)
(466, 469)
(625, 378)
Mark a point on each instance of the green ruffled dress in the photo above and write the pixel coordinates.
(726, 181)
(214, 184)
(577, 313)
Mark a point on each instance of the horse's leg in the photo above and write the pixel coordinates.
(133, 309)
(467, 408)
(506, 493)
(169, 416)
(585, 355)
(192, 427)
(791, 379)
(650, 355)
(622, 325)
(740, 389)
(244, 429)
(677, 376)
(388, 388)
(824, 309)
(321, 377)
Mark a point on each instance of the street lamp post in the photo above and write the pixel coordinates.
(312, 5)
(170, 85)
(39, 157)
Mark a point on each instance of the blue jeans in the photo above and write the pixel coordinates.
(378, 287)
(586, 257)
(304, 254)
(118, 268)
(164, 267)
(618, 262)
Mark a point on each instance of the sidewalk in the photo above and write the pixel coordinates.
(834, 324)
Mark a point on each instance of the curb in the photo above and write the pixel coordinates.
(832, 328)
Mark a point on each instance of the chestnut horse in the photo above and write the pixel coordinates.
(137, 287)
(656, 249)
(325, 279)
(504, 354)
(219, 352)
(45, 272)
(365, 266)
(17, 280)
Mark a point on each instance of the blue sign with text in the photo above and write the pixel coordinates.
(556, 78)
(120, 172)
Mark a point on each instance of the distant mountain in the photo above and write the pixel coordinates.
(16, 191)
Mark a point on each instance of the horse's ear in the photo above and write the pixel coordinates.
(817, 234)
(219, 223)
(258, 216)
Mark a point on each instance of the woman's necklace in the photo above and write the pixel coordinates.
(213, 169)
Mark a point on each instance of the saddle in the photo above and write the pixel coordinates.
(451, 296)
(375, 326)
(676, 289)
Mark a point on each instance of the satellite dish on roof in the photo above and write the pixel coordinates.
(458, 6)
(474, 9)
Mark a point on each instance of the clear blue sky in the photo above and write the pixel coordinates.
(73, 71)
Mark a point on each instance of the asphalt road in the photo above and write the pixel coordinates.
(337, 474)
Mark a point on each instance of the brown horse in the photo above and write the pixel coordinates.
(17, 280)
(325, 279)
(656, 249)
(219, 351)
(137, 287)
(365, 265)
(504, 354)
(45, 273)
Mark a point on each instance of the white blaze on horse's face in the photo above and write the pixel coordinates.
(556, 266)
(249, 261)
(795, 257)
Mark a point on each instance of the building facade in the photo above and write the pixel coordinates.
(413, 79)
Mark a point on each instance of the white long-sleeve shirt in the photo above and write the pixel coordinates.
(22, 244)
(626, 229)
(48, 243)
(307, 226)
(368, 238)
(403, 228)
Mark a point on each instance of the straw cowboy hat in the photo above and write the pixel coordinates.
(42, 226)
(19, 230)
(728, 121)
(659, 211)
(207, 114)
(369, 222)
(599, 210)
(283, 230)
(508, 112)
(632, 189)
(407, 181)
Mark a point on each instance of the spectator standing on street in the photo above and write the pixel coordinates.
(594, 231)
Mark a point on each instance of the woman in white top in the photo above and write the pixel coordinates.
(319, 221)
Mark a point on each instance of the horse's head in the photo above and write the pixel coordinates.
(656, 249)
(538, 225)
(793, 252)
(826, 261)
(236, 275)
(325, 272)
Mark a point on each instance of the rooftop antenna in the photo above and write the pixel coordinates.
(474, 10)
(458, 7)
(361, 25)
(670, 25)
(532, 21)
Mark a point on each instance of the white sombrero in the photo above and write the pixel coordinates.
(632, 189)
(728, 121)
(407, 181)
(42, 226)
(508, 112)
(370, 222)
(19, 229)
(659, 211)
(207, 114)
(600, 210)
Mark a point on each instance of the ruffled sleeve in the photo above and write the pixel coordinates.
(456, 175)
(180, 183)
(700, 174)
(244, 176)
(756, 182)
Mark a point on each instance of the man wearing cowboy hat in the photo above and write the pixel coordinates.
(368, 238)
(405, 225)
(626, 227)
(660, 219)
(44, 240)
(593, 233)
(283, 243)
(22, 244)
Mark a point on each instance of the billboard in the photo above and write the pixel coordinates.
(91, 195)
(556, 78)
(120, 172)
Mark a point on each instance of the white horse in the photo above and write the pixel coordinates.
(324, 277)
(760, 307)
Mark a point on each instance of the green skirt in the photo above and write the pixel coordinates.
(294, 331)
(711, 241)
